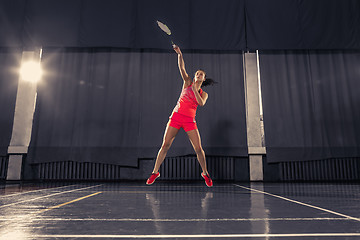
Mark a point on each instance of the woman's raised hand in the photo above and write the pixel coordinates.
(176, 49)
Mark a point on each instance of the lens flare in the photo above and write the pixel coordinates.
(31, 71)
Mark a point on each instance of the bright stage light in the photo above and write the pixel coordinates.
(31, 71)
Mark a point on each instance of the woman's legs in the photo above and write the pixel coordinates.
(195, 140)
(169, 136)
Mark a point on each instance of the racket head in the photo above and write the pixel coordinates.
(163, 27)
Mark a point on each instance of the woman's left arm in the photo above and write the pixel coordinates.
(201, 99)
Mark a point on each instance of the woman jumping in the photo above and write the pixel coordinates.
(183, 116)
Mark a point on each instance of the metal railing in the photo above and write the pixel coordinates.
(4, 160)
(336, 169)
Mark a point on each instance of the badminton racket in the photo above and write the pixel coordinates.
(166, 30)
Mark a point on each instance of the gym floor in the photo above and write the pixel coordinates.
(179, 210)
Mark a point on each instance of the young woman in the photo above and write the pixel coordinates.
(183, 116)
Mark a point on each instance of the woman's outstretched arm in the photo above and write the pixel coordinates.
(181, 64)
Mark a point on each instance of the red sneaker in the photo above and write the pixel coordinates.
(208, 180)
(152, 178)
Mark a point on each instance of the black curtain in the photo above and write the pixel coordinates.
(302, 24)
(112, 105)
(12, 14)
(9, 77)
(311, 104)
(195, 24)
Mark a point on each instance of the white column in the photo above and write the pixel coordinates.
(253, 116)
(23, 119)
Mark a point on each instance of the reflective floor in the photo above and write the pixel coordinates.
(179, 210)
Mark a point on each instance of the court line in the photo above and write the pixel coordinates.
(206, 235)
(50, 195)
(182, 220)
(301, 203)
(72, 201)
(39, 190)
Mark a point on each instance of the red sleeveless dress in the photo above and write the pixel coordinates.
(187, 103)
(183, 115)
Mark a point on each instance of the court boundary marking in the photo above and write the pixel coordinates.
(300, 203)
(50, 195)
(206, 235)
(38, 190)
(173, 220)
(69, 202)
